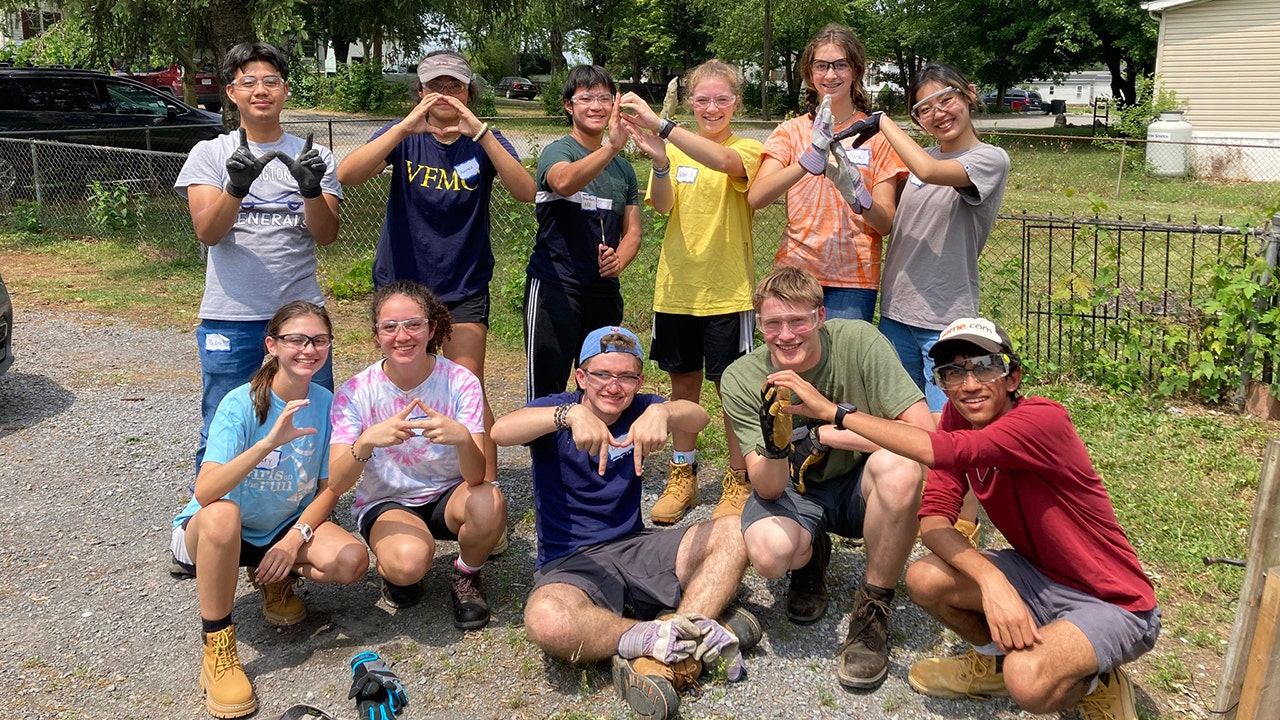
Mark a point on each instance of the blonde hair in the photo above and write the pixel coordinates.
(713, 69)
(789, 285)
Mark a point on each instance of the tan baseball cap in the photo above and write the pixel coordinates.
(444, 64)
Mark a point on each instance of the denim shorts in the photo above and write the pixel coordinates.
(913, 345)
(849, 303)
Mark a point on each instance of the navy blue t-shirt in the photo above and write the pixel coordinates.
(571, 229)
(573, 505)
(436, 229)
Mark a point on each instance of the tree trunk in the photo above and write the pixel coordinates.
(768, 59)
(228, 26)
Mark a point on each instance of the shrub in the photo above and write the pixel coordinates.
(550, 95)
(1152, 100)
(359, 87)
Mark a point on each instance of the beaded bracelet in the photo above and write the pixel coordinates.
(358, 458)
(484, 128)
(562, 416)
(663, 171)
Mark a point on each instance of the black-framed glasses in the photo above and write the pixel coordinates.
(602, 380)
(297, 341)
(249, 82)
(985, 369)
(820, 67)
(413, 326)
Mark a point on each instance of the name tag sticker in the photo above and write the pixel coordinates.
(469, 169)
(915, 180)
(686, 174)
(214, 342)
(588, 202)
(270, 461)
(860, 156)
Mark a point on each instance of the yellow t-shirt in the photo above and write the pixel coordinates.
(707, 266)
(823, 235)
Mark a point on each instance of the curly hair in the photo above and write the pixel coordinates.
(260, 381)
(843, 38)
(432, 309)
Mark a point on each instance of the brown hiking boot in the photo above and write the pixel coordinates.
(744, 626)
(679, 497)
(651, 694)
(807, 595)
(970, 675)
(470, 609)
(228, 693)
(864, 657)
(735, 489)
(1111, 700)
(280, 606)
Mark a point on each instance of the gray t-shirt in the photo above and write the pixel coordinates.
(930, 273)
(269, 257)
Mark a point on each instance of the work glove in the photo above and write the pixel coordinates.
(718, 643)
(862, 130)
(243, 168)
(775, 425)
(378, 693)
(666, 641)
(308, 169)
(844, 174)
(815, 158)
(807, 453)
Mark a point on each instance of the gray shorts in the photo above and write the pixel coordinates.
(835, 505)
(1117, 635)
(634, 576)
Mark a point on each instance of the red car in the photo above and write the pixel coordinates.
(208, 92)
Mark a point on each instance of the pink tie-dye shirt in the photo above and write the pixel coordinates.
(417, 471)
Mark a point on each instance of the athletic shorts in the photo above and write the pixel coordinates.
(432, 513)
(835, 505)
(250, 555)
(687, 343)
(633, 576)
(474, 309)
(1117, 635)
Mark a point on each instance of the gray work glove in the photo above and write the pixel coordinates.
(815, 158)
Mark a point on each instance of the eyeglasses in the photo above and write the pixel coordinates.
(602, 380)
(985, 369)
(249, 82)
(720, 101)
(946, 100)
(820, 67)
(601, 99)
(449, 88)
(797, 324)
(297, 341)
(413, 326)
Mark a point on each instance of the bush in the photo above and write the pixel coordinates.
(483, 106)
(780, 105)
(551, 92)
(310, 88)
(1152, 100)
(359, 87)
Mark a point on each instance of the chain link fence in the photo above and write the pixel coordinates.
(1095, 296)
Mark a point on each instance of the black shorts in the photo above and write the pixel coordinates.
(556, 322)
(684, 343)
(633, 576)
(835, 505)
(432, 513)
(474, 309)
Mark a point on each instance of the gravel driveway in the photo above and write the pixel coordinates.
(97, 423)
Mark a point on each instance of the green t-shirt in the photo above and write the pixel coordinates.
(858, 366)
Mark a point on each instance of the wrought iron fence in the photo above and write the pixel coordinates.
(1101, 297)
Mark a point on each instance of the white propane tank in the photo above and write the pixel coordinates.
(1169, 156)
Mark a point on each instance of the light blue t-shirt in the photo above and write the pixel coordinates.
(273, 495)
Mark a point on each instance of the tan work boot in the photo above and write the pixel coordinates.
(735, 489)
(280, 606)
(679, 497)
(228, 693)
(969, 530)
(1111, 700)
(970, 675)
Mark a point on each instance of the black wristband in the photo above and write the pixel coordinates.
(666, 128)
(763, 452)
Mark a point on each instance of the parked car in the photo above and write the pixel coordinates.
(516, 87)
(208, 92)
(91, 108)
(6, 328)
(1028, 100)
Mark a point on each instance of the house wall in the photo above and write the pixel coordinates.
(1222, 57)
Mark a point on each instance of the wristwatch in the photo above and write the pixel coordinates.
(843, 409)
(305, 529)
(665, 127)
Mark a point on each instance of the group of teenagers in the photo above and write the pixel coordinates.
(885, 433)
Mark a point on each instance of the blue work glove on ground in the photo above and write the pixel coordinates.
(378, 693)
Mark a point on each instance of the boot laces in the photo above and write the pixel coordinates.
(466, 586)
(1097, 705)
(870, 623)
(734, 489)
(679, 481)
(225, 654)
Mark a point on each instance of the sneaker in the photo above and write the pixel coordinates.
(864, 658)
(735, 489)
(652, 697)
(744, 626)
(971, 675)
(1111, 700)
(969, 530)
(679, 497)
(180, 570)
(470, 609)
(400, 597)
(807, 595)
(280, 606)
(227, 690)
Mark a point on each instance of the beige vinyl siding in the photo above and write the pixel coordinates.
(1222, 57)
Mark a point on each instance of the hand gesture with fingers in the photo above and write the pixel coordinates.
(308, 168)
(243, 168)
(617, 135)
(417, 121)
(641, 114)
(283, 432)
(468, 123)
(649, 143)
(811, 403)
(648, 435)
(590, 434)
(814, 159)
(440, 428)
(395, 429)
